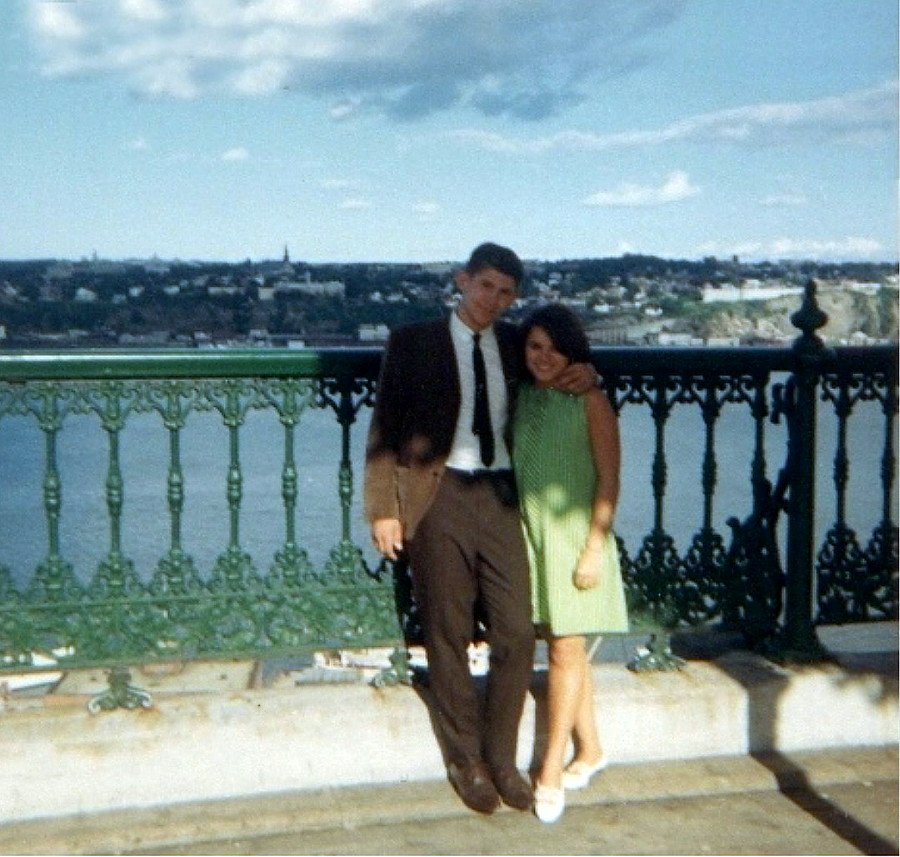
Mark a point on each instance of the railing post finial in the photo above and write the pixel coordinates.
(808, 319)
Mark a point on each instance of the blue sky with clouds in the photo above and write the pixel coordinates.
(411, 130)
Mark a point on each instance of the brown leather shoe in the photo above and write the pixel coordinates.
(514, 789)
(474, 786)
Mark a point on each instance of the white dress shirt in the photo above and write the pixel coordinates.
(466, 452)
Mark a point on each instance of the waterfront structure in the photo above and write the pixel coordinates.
(766, 580)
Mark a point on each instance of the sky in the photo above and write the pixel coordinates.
(412, 130)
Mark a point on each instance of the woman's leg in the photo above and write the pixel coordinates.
(568, 665)
(587, 740)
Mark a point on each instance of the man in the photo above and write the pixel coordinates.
(439, 486)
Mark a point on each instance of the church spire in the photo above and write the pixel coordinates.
(287, 269)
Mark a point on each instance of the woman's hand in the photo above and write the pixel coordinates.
(587, 571)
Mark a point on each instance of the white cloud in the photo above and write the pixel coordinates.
(849, 248)
(677, 187)
(58, 23)
(425, 210)
(261, 78)
(853, 117)
(355, 204)
(238, 153)
(335, 184)
(172, 77)
(784, 200)
(144, 10)
(408, 58)
(344, 109)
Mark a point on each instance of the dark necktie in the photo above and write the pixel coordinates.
(481, 421)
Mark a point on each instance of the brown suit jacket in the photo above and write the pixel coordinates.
(414, 418)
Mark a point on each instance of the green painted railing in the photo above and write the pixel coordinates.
(114, 611)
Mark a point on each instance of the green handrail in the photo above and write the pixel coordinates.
(120, 615)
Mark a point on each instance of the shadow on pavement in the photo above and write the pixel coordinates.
(768, 685)
(795, 786)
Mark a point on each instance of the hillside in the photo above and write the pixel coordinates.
(874, 316)
(626, 300)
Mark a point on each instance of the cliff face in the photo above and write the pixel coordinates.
(850, 314)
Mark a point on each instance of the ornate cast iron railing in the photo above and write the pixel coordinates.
(744, 585)
(239, 604)
(174, 611)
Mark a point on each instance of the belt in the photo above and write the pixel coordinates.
(481, 475)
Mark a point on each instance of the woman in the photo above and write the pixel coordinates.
(566, 459)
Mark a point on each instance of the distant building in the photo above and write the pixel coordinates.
(50, 293)
(438, 268)
(104, 266)
(307, 286)
(749, 292)
(9, 292)
(287, 269)
(156, 266)
(869, 288)
(59, 271)
(373, 333)
(665, 337)
(149, 339)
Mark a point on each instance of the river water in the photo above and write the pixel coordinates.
(83, 457)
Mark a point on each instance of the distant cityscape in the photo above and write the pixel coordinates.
(632, 299)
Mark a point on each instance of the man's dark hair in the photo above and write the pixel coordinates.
(489, 255)
(564, 329)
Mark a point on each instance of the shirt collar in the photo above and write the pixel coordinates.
(461, 330)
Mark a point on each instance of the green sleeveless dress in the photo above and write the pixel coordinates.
(557, 480)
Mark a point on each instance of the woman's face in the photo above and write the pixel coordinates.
(542, 359)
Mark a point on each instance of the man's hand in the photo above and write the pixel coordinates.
(387, 534)
(577, 378)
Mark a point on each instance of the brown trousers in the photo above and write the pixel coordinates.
(468, 555)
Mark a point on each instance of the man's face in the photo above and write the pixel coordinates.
(486, 295)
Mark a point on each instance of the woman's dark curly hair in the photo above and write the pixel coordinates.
(564, 329)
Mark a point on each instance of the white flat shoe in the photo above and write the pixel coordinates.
(548, 803)
(579, 774)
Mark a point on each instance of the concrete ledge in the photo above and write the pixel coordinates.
(59, 760)
(741, 703)
(355, 807)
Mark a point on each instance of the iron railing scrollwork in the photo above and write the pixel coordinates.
(753, 579)
(711, 581)
(115, 615)
(858, 582)
(738, 569)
